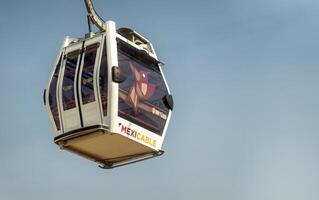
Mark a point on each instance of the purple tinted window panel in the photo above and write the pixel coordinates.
(53, 97)
(87, 86)
(68, 94)
(141, 94)
(103, 81)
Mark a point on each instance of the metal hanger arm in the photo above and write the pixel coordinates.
(93, 16)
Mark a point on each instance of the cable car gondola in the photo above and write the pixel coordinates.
(107, 98)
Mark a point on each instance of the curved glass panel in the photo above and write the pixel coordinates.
(141, 94)
(103, 80)
(53, 97)
(87, 86)
(68, 96)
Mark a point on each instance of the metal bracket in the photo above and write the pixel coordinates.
(117, 76)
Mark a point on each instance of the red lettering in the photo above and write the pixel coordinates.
(139, 136)
(128, 131)
(123, 129)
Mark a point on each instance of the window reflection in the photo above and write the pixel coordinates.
(68, 96)
(87, 86)
(103, 81)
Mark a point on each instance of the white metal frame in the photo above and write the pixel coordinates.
(112, 86)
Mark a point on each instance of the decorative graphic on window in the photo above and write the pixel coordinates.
(141, 94)
(141, 89)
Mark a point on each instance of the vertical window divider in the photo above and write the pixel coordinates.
(76, 83)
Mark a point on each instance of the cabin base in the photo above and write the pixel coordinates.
(108, 149)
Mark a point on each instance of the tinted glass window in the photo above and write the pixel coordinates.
(53, 97)
(68, 96)
(141, 94)
(103, 80)
(87, 86)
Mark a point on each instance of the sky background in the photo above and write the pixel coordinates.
(244, 75)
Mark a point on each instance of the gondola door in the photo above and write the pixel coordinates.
(87, 82)
(69, 103)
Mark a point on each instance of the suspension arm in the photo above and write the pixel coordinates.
(93, 16)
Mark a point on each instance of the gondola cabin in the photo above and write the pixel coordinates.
(107, 97)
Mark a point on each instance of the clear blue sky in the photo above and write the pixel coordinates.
(244, 75)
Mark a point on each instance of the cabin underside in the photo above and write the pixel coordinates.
(108, 149)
